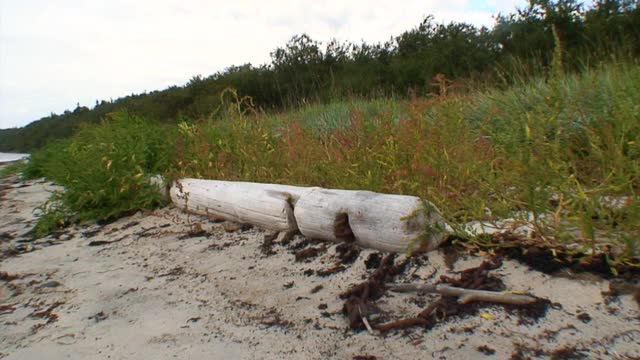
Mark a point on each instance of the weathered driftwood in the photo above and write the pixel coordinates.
(379, 221)
(467, 295)
(268, 206)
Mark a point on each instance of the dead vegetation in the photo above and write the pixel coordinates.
(47, 313)
(548, 258)
(359, 300)
(463, 301)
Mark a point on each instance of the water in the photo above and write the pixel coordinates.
(7, 157)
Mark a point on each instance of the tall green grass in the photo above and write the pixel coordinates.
(12, 169)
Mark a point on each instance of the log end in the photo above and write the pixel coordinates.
(426, 228)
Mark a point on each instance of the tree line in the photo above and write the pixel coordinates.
(519, 45)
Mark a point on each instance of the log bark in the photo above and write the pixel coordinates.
(379, 221)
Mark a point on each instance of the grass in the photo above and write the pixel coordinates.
(554, 154)
(12, 169)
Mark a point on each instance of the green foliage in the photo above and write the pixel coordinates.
(105, 169)
(54, 214)
(557, 67)
(42, 161)
(12, 169)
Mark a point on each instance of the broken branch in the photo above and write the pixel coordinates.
(365, 321)
(466, 295)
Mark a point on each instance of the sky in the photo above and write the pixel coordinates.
(57, 54)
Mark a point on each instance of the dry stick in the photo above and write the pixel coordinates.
(365, 321)
(466, 295)
(106, 271)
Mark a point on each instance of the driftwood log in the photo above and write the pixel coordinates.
(394, 223)
(268, 206)
(380, 221)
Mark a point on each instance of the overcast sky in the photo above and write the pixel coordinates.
(57, 53)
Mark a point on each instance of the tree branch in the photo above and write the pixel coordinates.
(466, 295)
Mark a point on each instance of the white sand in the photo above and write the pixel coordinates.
(152, 295)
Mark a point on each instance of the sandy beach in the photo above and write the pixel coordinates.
(168, 285)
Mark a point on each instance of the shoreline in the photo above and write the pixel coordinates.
(9, 158)
(165, 284)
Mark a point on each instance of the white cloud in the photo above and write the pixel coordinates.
(54, 54)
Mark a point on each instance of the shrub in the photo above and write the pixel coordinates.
(105, 169)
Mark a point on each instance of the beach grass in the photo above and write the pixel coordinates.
(13, 168)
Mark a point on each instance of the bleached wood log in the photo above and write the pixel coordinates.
(268, 206)
(378, 221)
